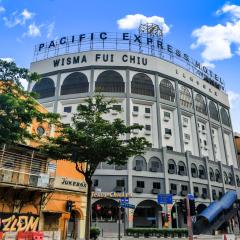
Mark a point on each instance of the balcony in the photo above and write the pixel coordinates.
(20, 167)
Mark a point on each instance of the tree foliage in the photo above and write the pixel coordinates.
(91, 139)
(18, 108)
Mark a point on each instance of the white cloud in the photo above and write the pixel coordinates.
(7, 59)
(50, 29)
(2, 9)
(133, 22)
(217, 41)
(234, 99)
(33, 31)
(17, 18)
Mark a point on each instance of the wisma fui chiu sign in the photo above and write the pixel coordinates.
(140, 43)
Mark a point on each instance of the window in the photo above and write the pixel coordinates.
(185, 97)
(170, 148)
(142, 85)
(225, 117)
(213, 111)
(76, 82)
(185, 120)
(67, 109)
(155, 164)
(171, 166)
(147, 110)
(156, 185)
(117, 108)
(120, 183)
(168, 131)
(184, 188)
(148, 127)
(195, 189)
(203, 127)
(200, 104)
(40, 131)
(135, 108)
(167, 91)
(201, 171)
(218, 176)
(173, 186)
(140, 184)
(44, 88)
(167, 114)
(110, 81)
(186, 136)
(211, 174)
(95, 182)
(139, 163)
(205, 142)
(194, 170)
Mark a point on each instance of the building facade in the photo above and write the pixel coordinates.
(185, 117)
(40, 194)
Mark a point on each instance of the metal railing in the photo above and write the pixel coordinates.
(19, 169)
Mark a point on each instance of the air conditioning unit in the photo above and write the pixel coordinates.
(6, 176)
(135, 131)
(155, 191)
(64, 115)
(167, 136)
(203, 132)
(205, 148)
(186, 141)
(171, 171)
(134, 113)
(114, 112)
(147, 132)
(204, 196)
(138, 168)
(147, 115)
(43, 180)
(138, 190)
(154, 169)
(173, 191)
(185, 124)
(33, 180)
(166, 119)
(118, 189)
(196, 194)
(184, 193)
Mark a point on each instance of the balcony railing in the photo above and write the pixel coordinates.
(24, 169)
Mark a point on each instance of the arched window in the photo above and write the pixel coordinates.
(230, 179)
(201, 172)
(200, 104)
(225, 117)
(238, 180)
(44, 88)
(139, 164)
(182, 169)
(167, 91)
(172, 167)
(213, 111)
(155, 165)
(142, 84)
(75, 83)
(211, 174)
(185, 97)
(217, 175)
(194, 170)
(110, 81)
(225, 178)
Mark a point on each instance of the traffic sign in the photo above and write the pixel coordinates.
(165, 199)
(127, 205)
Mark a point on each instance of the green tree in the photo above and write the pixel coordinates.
(91, 139)
(18, 108)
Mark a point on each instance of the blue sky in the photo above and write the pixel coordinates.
(207, 30)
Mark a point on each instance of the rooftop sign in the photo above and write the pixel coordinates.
(140, 43)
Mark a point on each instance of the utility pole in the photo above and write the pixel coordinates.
(119, 221)
(189, 220)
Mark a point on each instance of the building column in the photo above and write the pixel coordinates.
(208, 178)
(159, 219)
(188, 165)
(179, 116)
(57, 89)
(165, 169)
(221, 172)
(159, 125)
(91, 83)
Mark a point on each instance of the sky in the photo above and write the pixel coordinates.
(209, 31)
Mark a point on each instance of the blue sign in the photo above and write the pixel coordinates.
(165, 199)
(190, 197)
(127, 205)
(124, 200)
